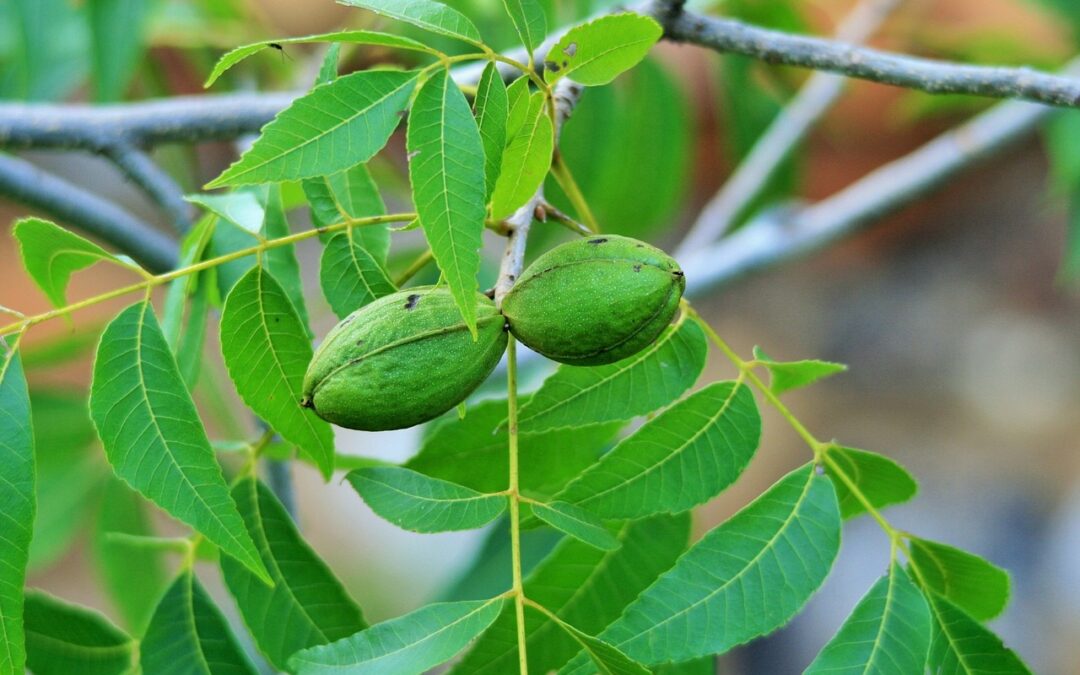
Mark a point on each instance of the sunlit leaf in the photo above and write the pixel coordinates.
(62, 639)
(17, 497)
(52, 254)
(446, 169)
(881, 480)
(350, 277)
(529, 21)
(525, 161)
(578, 396)
(307, 605)
(153, 436)
(363, 37)
(577, 523)
(975, 585)
(267, 352)
(788, 375)
(427, 14)
(685, 456)
(336, 126)
(408, 644)
(416, 502)
(596, 52)
(888, 632)
(491, 107)
(189, 636)
(962, 646)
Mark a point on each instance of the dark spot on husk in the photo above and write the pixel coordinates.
(359, 343)
(412, 301)
(678, 273)
(637, 268)
(597, 242)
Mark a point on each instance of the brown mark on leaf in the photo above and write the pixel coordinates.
(570, 49)
(412, 301)
(552, 66)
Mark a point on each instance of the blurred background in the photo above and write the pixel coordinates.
(958, 317)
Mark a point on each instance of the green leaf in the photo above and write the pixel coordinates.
(348, 195)
(189, 636)
(62, 639)
(888, 632)
(577, 523)
(446, 169)
(17, 497)
(578, 396)
(281, 260)
(362, 37)
(585, 587)
(134, 577)
(328, 71)
(962, 646)
(881, 480)
(973, 584)
(518, 98)
(51, 255)
(529, 21)
(335, 127)
(743, 579)
(427, 14)
(117, 37)
(471, 451)
(153, 436)
(408, 644)
(525, 161)
(307, 605)
(688, 454)
(491, 107)
(608, 659)
(187, 344)
(413, 501)
(596, 52)
(267, 352)
(788, 375)
(350, 276)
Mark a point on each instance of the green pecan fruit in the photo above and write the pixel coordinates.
(401, 360)
(594, 301)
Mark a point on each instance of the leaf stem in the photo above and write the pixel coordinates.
(569, 186)
(515, 502)
(157, 280)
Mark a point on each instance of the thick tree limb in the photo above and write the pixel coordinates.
(101, 218)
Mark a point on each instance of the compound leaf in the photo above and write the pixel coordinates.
(608, 659)
(307, 606)
(594, 53)
(788, 375)
(267, 351)
(491, 107)
(347, 195)
(963, 646)
(529, 21)
(578, 396)
(525, 161)
(446, 169)
(350, 276)
(153, 437)
(62, 638)
(416, 502)
(973, 584)
(888, 632)
(881, 480)
(427, 14)
(576, 522)
(337, 126)
(408, 644)
(189, 636)
(685, 456)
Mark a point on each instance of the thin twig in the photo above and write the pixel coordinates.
(783, 135)
(158, 185)
(99, 217)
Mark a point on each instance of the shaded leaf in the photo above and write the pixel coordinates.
(743, 579)
(350, 277)
(416, 502)
(788, 375)
(336, 126)
(187, 344)
(363, 37)
(685, 456)
(427, 14)
(596, 52)
(577, 523)
(52, 254)
(307, 605)
(189, 636)
(888, 632)
(117, 37)
(267, 352)
(281, 260)
(529, 21)
(607, 659)
(153, 436)
(408, 644)
(881, 480)
(347, 195)
(962, 646)
(526, 159)
(975, 585)
(17, 497)
(585, 587)
(446, 169)
(62, 639)
(491, 107)
(578, 396)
